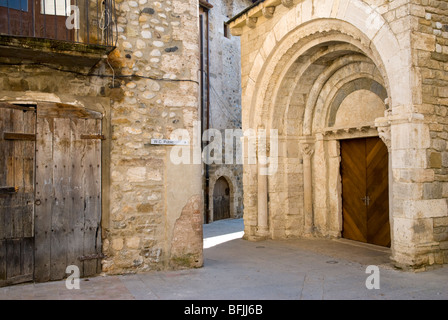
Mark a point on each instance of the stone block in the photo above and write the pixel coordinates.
(407, 191)
(422, 41)
(409, 158)
(133, 242)
(441, 234)
(441, 222)
(117, 244)
(418, 209)
(136, 174)
(444, 245)
(410, 136)
(402, 230)
(435, 160)
(432, 190)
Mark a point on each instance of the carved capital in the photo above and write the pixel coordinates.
(307, 150)
(385, 135)
(268, 12)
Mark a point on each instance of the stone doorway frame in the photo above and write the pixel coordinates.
(226, 173)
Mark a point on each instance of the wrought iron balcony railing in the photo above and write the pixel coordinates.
(76, 21)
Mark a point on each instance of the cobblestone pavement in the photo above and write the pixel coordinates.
(269, 270)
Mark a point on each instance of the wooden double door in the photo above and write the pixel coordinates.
(50, 192)
(365, 191)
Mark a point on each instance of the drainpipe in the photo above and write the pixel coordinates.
(205, 105)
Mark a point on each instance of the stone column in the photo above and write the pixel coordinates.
(262, 165)
(385, 136)
(307, 152)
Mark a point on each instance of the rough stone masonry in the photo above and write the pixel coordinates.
(146, 88)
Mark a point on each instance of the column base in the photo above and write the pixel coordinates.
(262, 233)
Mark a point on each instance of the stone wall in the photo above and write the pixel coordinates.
(430, 56)
(147, 88)
(158, 52)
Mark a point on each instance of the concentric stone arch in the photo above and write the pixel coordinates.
(275, 58)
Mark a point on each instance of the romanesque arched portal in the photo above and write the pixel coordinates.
(321, 73)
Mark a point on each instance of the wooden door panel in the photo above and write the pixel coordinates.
(44, 197)
(221, 200)
(61, 202)
(353, 168)
(92, 199)
(71, 197)
(16, 193)
(378, 191)
(75, 235)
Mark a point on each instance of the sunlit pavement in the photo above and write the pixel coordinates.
(236, 269)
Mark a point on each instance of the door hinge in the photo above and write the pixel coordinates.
(9, 190)
(19, 136)
(91, 257)
(93, 136)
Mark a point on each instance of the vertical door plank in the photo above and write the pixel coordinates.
(44, 197)
(353, 174)
(378, 225)
(13, 253)
(3, 114)
(18, 126)
(16, 237)
(76, 219)
(98, 194)
(2, 260)
(7, 171)
(27, 257)
(92, 186)
(61, 208)
(3, 151)
(9, 154)
(28, 174)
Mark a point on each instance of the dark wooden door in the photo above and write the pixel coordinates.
(68, 191)
(17, 144)
(365, 191)
(221, 200)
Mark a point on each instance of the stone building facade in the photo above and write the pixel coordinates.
(224, 105)
(142, 86)
(327, 73)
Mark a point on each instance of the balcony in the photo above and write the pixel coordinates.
(57, 31)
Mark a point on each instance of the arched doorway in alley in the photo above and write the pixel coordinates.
(221, 199)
